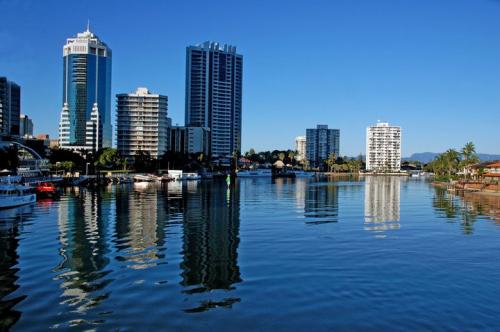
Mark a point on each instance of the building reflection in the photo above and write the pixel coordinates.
(467, 208)
(211, 237)
(321, 202)
(382, 203)
(83, 220)
(140, 225)
(9, 260)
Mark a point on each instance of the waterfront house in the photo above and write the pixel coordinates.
(492, 171)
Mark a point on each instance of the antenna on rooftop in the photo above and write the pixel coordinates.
(88, 25)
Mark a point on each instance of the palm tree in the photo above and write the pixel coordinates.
(332, 159)
(469, 157)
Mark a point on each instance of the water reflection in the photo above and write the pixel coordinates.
(321, 202)
(211, 238)
(9, 242)
(141, 216)
(467, 208)
(382, 203)
(83, 220)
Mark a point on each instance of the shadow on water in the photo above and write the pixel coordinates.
(11, 221)
(466, 208)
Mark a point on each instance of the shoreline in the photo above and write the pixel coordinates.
(475, 191)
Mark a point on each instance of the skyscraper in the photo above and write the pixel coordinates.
(320, 142)
(214, 76)
(86, 113)
(141, 123)
(10, 107)
(383, 148)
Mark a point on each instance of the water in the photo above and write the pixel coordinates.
(386, 254)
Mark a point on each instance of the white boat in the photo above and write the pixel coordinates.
(146, 178)
(256, 173)
(12, 195)
(303, 174)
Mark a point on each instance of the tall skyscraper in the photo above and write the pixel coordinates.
(320, 142)
(142, 123)
(214, 75)
(10, 107)
(383, 148)
(300, 147)
(86, 113)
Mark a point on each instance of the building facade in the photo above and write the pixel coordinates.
(214, 75)
(25, 126)
(320, 143)
(142, 123)
(85, 121)
(10, 107)
(300, 147)
(190, 139)
(383, 148)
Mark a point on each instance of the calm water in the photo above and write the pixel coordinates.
(376, 254)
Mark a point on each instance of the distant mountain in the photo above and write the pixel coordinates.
(425, 157)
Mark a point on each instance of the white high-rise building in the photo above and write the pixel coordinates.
(300, 147)
(142, 123)
(383, 148)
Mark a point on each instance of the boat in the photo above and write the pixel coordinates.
(256, 173)
(46, 189)
(12, 195)
(146, 178)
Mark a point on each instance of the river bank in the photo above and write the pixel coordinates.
(478, 188)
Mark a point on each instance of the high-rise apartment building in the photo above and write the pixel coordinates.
(300, 147)
(86, 113)
(383, 148)
(320, 143)
(25, 126)
(142, 123)
(10, 107)
(214, 75)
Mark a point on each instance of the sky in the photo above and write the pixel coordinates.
(431, 67)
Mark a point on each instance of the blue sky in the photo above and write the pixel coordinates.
(432, 67)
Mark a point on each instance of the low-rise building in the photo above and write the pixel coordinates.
(190, 139)
(25, 126)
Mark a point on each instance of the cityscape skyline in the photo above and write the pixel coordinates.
(448, 76)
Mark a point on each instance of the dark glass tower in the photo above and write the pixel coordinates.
(10, 107)
(214, 75)
(86, 114)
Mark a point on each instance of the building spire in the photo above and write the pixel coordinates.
(88, 25)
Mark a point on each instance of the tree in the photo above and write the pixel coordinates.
(109, 159)
(143, 161)
(9, 158)
(281, 156)
(469, 157)
(332, 159)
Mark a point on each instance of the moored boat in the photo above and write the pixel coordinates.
(46, 189)
(12, 195)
